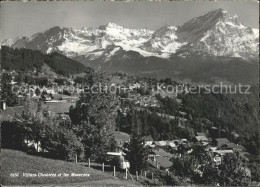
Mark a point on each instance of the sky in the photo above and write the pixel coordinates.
(26, 18)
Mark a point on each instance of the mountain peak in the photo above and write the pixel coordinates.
(110, 25)
(7, 42)
(194, 29)
(166, 30)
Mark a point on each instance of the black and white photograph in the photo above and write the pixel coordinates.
(129, 93)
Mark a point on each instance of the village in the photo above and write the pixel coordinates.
(142, 96)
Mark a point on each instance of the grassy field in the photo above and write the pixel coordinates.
(58, 107)
(14, 162)
(117, 80)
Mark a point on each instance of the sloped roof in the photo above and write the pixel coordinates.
(201, 138)
(172, 144)
(162, 162)
(148, 138)
(160, 143)
(121, 136)
(222, 141)
(162, 153)
(231, 145)
(223, 152)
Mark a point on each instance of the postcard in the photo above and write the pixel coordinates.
(129, 93)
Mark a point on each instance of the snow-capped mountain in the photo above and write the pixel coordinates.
(85, 41)
(163, 41)
(8, 42)
(216, 33)
(220, 34)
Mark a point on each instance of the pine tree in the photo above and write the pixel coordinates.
(94, 116)
(7, 93)
(137, 154)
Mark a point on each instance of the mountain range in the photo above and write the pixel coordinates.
(215, 36)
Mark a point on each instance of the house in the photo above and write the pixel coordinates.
(160, 163)
(220, 141)
(47, 98)
(160, 143)
(232, 146)
(148, 140)
(173, 144)
(184, 148)
(219, 154)
(35, 145)
(183, 141)
(162, 153)
(227, 146)
(123, 162)
(121, 138)
(201, 139)
(160, 159)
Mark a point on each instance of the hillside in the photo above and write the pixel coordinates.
(194, 68)
(19, 162)
(26, 60)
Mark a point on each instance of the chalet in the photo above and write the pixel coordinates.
(159, 162)
(232, 146)
(219, 154)
(200, 134)
(183, 141)
(162, 153)
(202, 138)
(227, 146)
(148, 140)
(160, 143)
(46, 98)
(123, 162)
(220, 141)
(184, 148)
(121, 138)
(173, 144)
(160, 159)
(35, 145)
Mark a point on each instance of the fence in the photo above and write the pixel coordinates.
(121, 173)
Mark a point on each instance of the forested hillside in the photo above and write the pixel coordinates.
(25, 60)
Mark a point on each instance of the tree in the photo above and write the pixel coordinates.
(232, 173)
(61, 141)
(229, 173)
(183, 166)
(31, 120)
(137, 154)
(37, 92)
(7, 93)
(94, 116)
